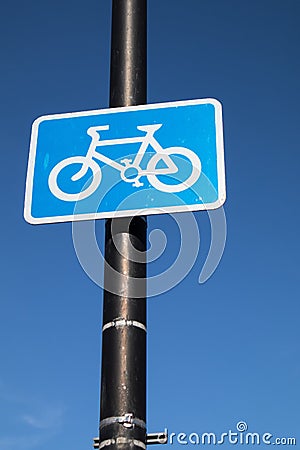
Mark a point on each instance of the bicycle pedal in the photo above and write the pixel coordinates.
(137, 184)
(126, 161)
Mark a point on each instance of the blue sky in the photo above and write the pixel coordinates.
(220, 352)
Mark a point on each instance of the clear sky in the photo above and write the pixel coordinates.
(220, 352)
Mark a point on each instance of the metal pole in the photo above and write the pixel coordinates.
(123, 374)
(128, 70)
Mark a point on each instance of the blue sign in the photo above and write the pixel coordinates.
(138, 160)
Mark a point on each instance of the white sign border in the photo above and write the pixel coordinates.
(128, 213)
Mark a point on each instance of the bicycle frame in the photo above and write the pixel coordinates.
(145, 141)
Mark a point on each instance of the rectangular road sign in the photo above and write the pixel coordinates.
(138, 160)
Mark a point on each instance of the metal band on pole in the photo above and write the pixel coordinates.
(124, 323)
(128, 421)
(123, 372)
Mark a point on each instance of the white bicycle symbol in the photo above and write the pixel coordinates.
(130, 171)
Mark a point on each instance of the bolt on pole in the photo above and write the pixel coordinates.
(123, 372)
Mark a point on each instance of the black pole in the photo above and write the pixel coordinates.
(128, 70)
(123, 374)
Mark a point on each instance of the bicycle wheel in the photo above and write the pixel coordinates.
(86, 191)
(182, 185)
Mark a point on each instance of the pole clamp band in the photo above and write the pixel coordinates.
(120, 322)
(118, 440)
(128, 421)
